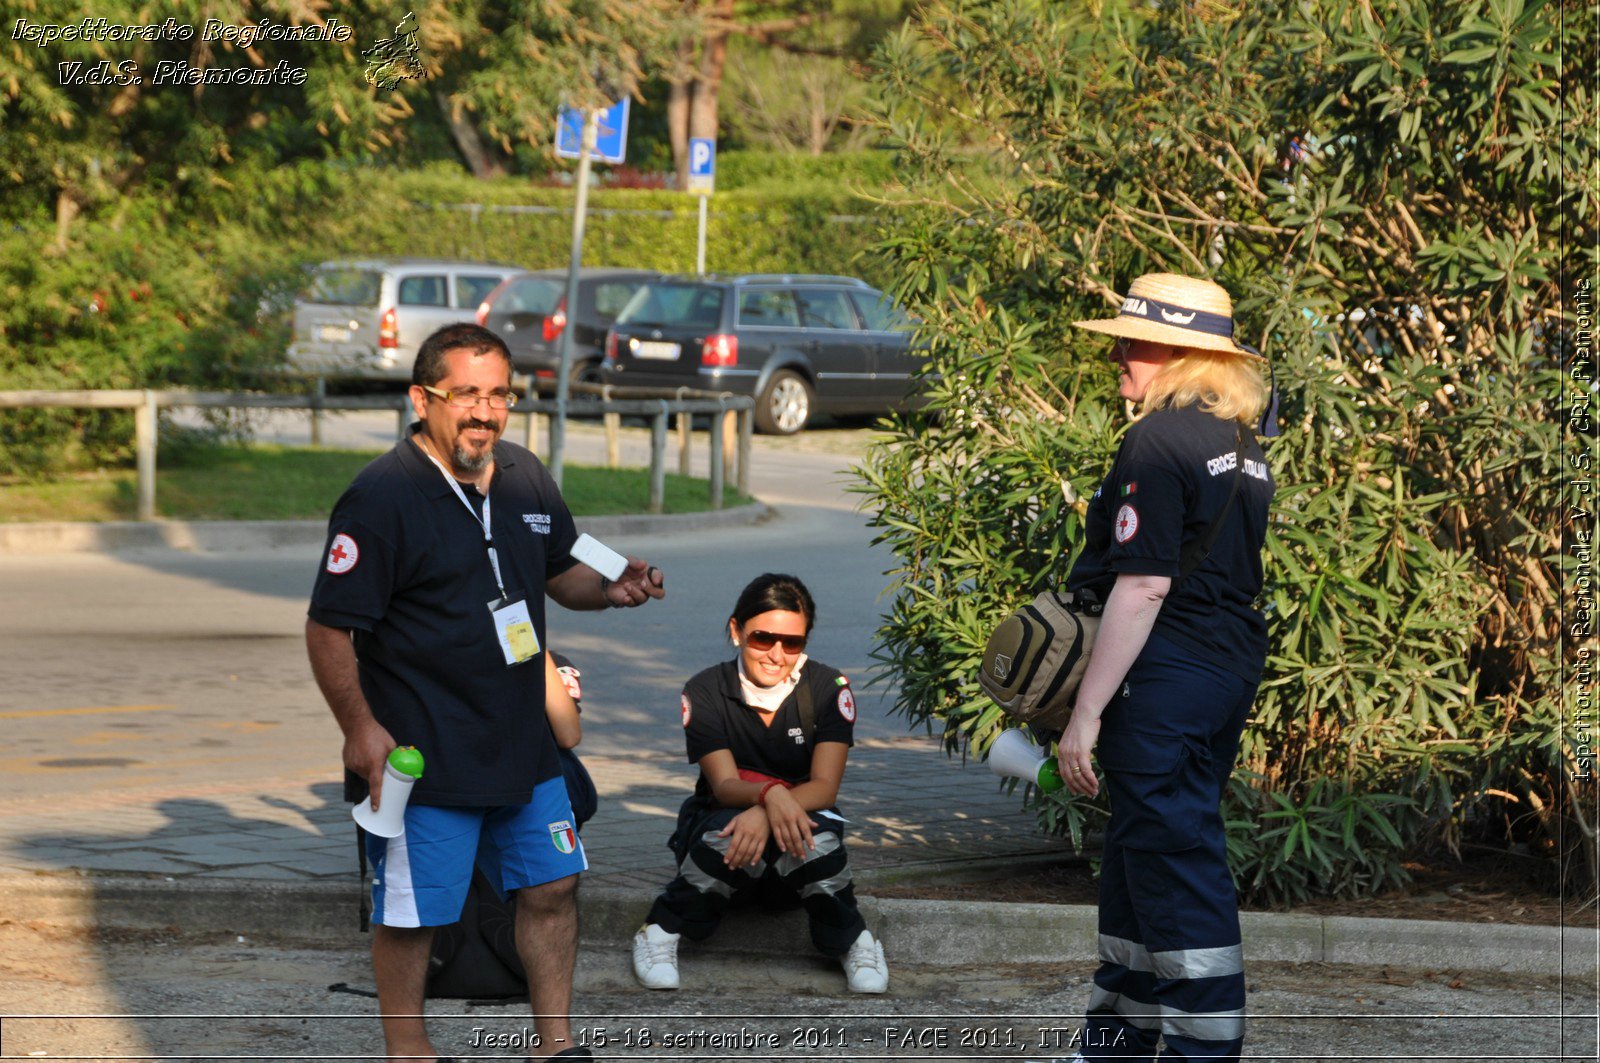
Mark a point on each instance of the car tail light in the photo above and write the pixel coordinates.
(388, 330)
(611, 345)
(555, 322)
(721, 349)
(483, 312)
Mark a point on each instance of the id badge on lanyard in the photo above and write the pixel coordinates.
(512, 623)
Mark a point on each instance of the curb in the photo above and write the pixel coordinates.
(936, 933)
(218, 536)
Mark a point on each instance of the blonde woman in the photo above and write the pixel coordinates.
(1174, 670)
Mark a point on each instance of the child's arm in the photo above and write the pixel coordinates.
(559, 706)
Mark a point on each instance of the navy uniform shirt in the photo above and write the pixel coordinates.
(1170, 479)
(407, 570)
(715, 717)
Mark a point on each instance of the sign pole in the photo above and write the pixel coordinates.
(702, 179)
(700, 246)
(558, 427)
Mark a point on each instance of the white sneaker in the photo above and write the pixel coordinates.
(865, 970)
(655, 957)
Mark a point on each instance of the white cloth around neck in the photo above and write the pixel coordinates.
(767, 699)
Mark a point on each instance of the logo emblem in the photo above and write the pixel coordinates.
(684, 701)
(1127, 524)
(565, 838)
(1002, 667)
(847, 705)
(1176, 319)
(569, 679)
(343, 554)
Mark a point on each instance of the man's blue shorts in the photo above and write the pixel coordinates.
(421, 878)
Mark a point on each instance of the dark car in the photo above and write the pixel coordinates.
(529, 311)
(799, 344)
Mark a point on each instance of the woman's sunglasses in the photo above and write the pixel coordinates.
(762, 641)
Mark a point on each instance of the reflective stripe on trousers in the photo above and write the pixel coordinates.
(694, 902)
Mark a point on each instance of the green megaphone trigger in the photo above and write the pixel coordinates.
(1049, 779)
(408, 760)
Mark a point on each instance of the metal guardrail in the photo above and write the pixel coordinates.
(732, 423)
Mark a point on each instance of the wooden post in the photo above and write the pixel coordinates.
(730, 437)
(683, 443)
(316, 410)
(531, 432)
(613, 440)
(658, 460)
(747, 425)
(402, 420)
(144, 445)
(717, 422)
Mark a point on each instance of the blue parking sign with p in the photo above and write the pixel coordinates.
(702, 165)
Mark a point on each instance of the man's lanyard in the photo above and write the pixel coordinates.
(488, 535)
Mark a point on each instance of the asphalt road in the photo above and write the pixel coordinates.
(138, 669)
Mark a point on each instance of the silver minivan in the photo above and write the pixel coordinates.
(367, 317)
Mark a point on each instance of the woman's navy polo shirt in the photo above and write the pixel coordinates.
(1171, 478)
(407, 570)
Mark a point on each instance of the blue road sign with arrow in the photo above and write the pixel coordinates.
(611, 138)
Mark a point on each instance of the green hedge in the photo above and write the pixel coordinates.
(167, 291)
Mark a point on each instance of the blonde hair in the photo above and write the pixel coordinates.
(1229, 386)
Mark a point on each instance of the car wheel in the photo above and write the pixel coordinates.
(784, 405)
(586, 372)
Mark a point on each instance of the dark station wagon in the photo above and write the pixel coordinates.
(800, 344)
(529, 311)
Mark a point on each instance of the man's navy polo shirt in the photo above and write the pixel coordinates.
(407, 570)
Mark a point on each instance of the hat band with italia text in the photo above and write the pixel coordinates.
(1157, 312)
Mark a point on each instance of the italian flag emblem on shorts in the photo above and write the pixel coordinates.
(564, 836)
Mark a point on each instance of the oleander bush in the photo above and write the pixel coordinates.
(1383, 187)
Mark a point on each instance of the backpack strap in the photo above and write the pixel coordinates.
(1197, 551)
(807, 707)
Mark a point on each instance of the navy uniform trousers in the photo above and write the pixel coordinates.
(694, 902)
(1171, 965)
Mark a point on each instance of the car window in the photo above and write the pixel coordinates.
(821, 308)
(422, 291)
(344, 286)
(880, 313)
(471, 288)
(611, 296)
(530, 295)
(770, 307)
(688, 305)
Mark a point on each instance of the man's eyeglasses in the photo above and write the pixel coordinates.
(762, 641)
(468, 400)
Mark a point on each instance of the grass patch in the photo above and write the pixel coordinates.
(296, 483)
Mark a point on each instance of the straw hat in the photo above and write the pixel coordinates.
(1171, 308)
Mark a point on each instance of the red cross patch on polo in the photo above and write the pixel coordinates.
(847, 705)
(1127, 524)
(343, 554)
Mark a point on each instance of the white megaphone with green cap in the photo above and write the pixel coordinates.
(400, 774)
(1014, 756)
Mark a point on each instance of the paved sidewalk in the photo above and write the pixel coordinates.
(908, 806)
